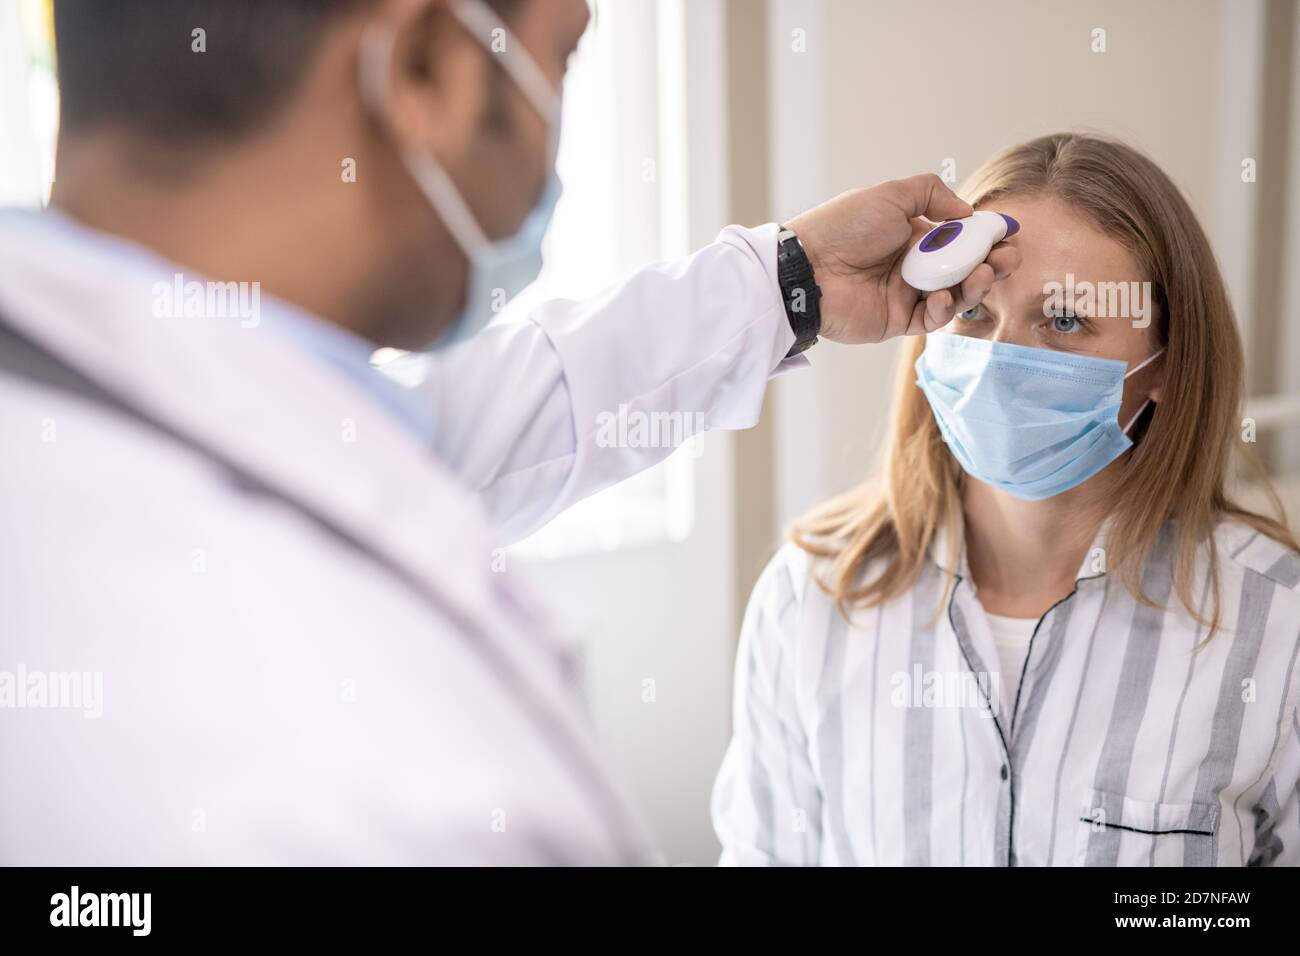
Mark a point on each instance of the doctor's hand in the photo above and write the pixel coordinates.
(856, 244)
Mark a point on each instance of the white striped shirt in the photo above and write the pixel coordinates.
(875, 743)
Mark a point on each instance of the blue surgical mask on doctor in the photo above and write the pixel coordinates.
(1031, 421)
(498, 269)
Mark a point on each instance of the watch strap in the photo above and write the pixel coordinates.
(799, 291)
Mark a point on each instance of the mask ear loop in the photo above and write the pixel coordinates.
(482, 23)
(1137, 368)
(1138, 415)
(376, 62)
(1145, 362)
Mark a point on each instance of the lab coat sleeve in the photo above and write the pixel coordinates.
(538, 412)
(766, 804)
(1277, 810)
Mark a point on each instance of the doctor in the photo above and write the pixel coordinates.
(273, 566)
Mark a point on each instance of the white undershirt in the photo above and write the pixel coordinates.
(1011, 637)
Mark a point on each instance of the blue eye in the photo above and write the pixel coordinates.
(972, 313)
(1065, 323)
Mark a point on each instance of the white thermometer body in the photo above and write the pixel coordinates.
(950, 251)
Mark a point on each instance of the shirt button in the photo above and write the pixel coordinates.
(1004, 771)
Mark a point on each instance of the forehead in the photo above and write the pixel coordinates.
(1056, 240)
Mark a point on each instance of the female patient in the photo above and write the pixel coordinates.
(1046, 635)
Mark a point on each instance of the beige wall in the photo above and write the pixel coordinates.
(1025, 67)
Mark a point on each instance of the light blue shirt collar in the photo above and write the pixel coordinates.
(347, 353)
(350, 355)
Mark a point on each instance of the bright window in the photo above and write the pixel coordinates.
(617, 212)
(29, 102)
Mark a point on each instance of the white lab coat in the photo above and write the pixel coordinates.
(306, 654)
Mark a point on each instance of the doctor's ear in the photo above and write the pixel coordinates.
(437, 79)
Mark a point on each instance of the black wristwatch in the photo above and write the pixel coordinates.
(798, 290)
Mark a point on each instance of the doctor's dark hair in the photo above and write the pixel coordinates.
(1183, 448)
(129, 64)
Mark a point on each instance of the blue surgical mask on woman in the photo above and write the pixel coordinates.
(498, 269)
(1033, 422)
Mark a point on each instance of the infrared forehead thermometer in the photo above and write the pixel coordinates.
(950, 251)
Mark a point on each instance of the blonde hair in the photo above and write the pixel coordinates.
(1178, 467)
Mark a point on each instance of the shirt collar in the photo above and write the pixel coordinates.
(954, 562)
(350, 355)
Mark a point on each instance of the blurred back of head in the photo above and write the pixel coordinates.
(140, 65)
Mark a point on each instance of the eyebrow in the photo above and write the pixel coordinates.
(1068, 300)
(1071, 305)
(1033, 306)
